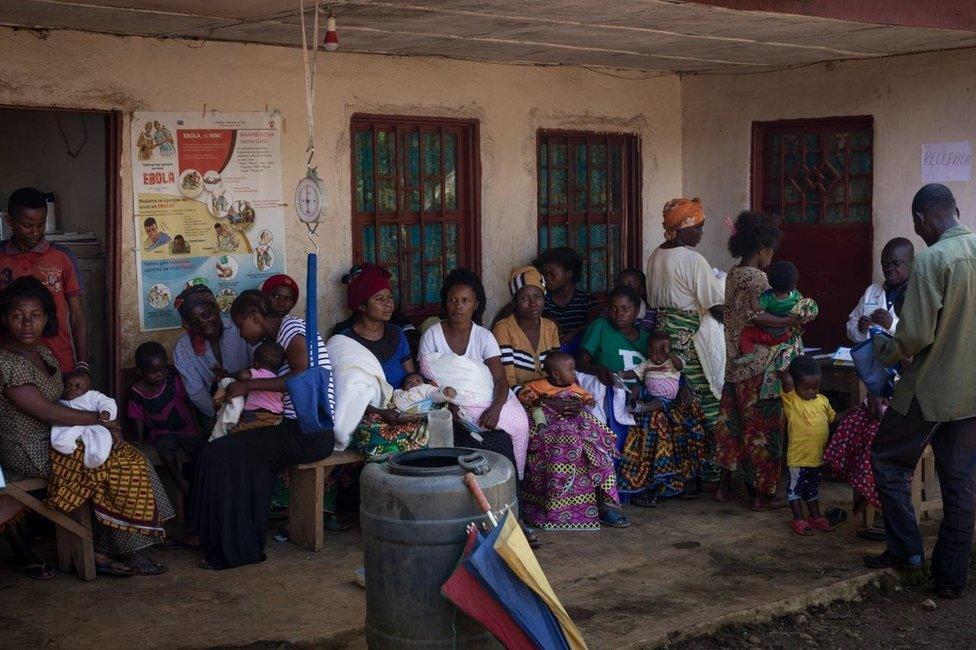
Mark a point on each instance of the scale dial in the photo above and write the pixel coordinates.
(311, 199)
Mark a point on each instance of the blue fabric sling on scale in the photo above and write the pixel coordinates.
(877, 378)
(309, 391)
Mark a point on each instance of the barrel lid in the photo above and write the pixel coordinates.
(440, 461)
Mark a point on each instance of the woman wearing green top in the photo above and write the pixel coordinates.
(661, 454)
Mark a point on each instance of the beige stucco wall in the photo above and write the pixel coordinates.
(914, 100)
(80, 70)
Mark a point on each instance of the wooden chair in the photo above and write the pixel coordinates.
(74, 535)
(306, 522)
(924, 490)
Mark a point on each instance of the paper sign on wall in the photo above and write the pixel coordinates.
(947, 161)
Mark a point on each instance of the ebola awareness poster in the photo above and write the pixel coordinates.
(208, 206)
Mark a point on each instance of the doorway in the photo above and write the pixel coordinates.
(73, 157)
(817, 175)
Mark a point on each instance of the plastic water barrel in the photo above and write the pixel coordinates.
(414, 512)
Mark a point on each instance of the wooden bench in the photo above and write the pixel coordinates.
(924, 490)
(306, 522)
(74, 535)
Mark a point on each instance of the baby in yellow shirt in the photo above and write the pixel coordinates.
(808, 418)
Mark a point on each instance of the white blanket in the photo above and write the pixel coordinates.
(96, 438)
(709, 343)
(359, 382)
(229, 414)
(596, 388)
(471, 380)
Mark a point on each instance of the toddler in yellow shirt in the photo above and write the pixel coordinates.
(808, 418)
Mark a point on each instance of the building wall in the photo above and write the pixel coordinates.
(81, 70)
(914, 100)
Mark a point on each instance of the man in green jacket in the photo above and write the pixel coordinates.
(935, 400)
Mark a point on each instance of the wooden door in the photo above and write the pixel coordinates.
(817, 176)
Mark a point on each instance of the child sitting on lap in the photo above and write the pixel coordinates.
(260, 408)
(808, 417)
(97, 439)
(158, 405)
(560, 381)
(660, 374)
(781, 299)
(417, 397)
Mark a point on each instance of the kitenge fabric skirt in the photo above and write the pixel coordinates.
(749, 435)
(569, 473)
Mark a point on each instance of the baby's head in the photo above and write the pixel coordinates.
(782, 276)
(269, 356)
(658, 347)
(152, 363)
(412, 381)
(76, 384)
(560, 368)
(805, 372)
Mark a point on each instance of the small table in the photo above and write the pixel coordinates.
(841, 378)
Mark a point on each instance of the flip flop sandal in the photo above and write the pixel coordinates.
(147, 568)
(37, 570)
(801, 527)
(835, 515)
(820, 523)
(873, 534)
(114, 569)
(530, 537)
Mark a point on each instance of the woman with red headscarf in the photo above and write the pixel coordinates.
(283, 292)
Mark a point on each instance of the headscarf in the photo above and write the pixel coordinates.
(190, 297)
(279, 280)
(681, 213)
(525, 276)
(365, 281)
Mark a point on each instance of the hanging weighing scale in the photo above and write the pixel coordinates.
(311, 198)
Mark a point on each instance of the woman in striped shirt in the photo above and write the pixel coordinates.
(235, 474)
(571, 308)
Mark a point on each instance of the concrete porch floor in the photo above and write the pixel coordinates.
(683, 565)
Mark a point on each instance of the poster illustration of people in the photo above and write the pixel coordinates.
(208, 206)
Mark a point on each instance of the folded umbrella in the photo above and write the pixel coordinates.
(522, 603)
(464, 590)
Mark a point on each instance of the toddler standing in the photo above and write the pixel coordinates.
(808, 417)
(159, 407)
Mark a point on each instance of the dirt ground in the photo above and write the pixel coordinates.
(681, 566)
(889, 617)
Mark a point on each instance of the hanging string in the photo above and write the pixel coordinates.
(310, 77)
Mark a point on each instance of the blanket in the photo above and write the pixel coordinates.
(359, 382)
(96, 438)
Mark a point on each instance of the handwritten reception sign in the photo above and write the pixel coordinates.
(947, 161)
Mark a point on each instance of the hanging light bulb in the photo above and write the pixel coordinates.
(331, 37)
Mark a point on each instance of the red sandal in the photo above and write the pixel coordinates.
(801, 527)
(820, 523)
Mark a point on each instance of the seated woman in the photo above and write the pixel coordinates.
(661, 454)
(210, 350)
(877, 305)
(235, 474)
(570, 481)
(381, 429)
(567, 305)
(127, 496)
(283, 292)
(460, 335)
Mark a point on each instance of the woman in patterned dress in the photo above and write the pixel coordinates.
(749, 434)
(570, 482)
(128, 516)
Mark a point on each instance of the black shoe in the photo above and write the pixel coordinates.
(950, 593)
(886, 561)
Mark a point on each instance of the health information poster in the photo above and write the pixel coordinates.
(208, 206)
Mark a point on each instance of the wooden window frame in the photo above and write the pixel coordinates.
(468, 193)
(758, 168)
(631, 197)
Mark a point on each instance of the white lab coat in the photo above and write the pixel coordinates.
(872, 300)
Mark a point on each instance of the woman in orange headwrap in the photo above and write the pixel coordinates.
(688, 298)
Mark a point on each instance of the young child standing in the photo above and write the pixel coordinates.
(158, 407)
(660, 374)
(808, 417)
(779, 300)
